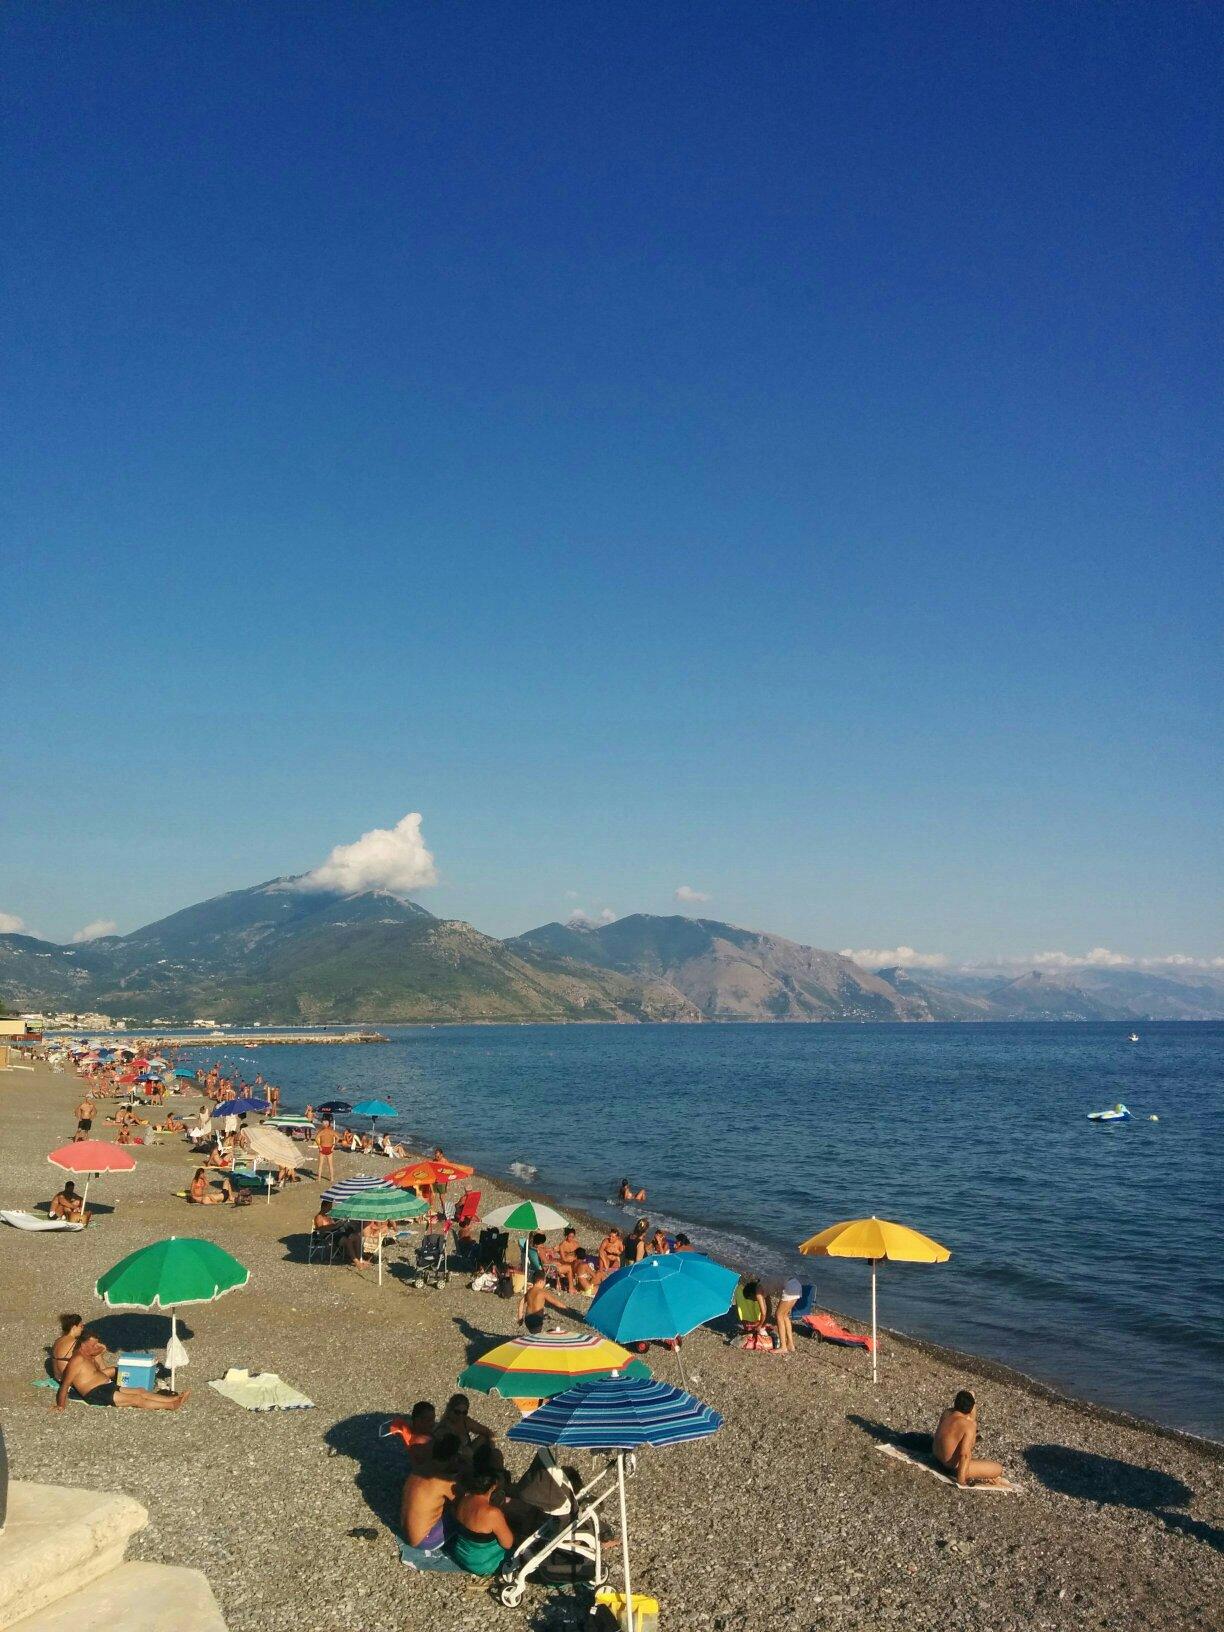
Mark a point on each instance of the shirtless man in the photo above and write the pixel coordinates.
(427, 1490)
(535, 1301)
(325, 1144)
(66, 1204)
(85, 1376)
(954, 1440)
(84, 1114)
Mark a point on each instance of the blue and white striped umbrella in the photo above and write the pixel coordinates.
(350, 1187)
(620, 1413)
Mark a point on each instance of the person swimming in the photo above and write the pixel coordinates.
(628, 1193)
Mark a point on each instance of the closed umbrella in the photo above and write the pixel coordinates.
(91, 1157)
(167, 1275)
(874, 1239)
(660, 1299)
(378, 1202)
(266, 1144)
(620, 1414)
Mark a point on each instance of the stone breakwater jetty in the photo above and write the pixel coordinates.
(252, 1039)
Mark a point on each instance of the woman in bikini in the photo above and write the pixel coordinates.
(611, 1252)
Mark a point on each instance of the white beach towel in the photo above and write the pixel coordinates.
(1007, 1488)
(265, 1391)
(31, 1221)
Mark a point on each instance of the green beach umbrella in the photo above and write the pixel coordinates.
(389, 1204)
(524, 1217)
(183, 1269)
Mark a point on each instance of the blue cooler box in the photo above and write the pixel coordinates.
(137, 1371)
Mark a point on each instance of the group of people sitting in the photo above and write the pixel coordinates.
(458, 1498)
(78, 1364)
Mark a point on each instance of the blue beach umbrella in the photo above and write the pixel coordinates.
(620, 1414)
(373, 1108)
(190, 1075)
(662, 1298)
(240, 1107)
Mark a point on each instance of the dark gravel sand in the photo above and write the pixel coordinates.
(788, 1518)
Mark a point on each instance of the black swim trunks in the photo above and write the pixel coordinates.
(104, 1394)
(534, 1324)
(84, 1125)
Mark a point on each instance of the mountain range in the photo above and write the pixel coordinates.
(281, 953)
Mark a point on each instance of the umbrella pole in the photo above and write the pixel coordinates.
(380, 1242)
(85, 1197)
(173, 1344)
(624, 1518)
(875, 1342)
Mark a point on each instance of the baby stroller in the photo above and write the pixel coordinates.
(431, 1267)
(568, 1546)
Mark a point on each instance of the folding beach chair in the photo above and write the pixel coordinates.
(466, 1210)
(321, 1248)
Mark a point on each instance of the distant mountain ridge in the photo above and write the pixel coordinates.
(282, 953)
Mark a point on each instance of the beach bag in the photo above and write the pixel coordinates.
(757, 1342)
(505, 1283)
(486, 1281)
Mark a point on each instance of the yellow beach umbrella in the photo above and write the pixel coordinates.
(873, 1239)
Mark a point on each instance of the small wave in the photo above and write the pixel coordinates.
(524, 1170)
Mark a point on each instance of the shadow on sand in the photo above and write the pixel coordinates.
(137, 1330)
(1088, 1477)
(913, 1444)
(381, 1464)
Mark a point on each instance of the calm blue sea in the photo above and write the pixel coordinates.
(1089, 1256)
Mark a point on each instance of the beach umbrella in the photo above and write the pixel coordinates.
(874, 1239)
(335, 1107)
(620, 1414)
(373, 1108)
(428, 1171)
(268, 1145)
(91, 1157)
(523, 1218)
(536, 1368)
(660, 1299)
(350, 1187)
(289, 1119)
(378, 1202)
(168, 1274)
(240, 1107)
(190, 1075)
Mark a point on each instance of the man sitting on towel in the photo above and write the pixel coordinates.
(86, 1377)
(954, 1440)
(427, 1490)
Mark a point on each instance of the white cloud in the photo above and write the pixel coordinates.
(902, 957)
(92, 932)
(386, 858)
(686, 893)
(10, 924)
(586, 920)
(1100, 957)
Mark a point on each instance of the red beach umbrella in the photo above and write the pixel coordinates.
(91, 1157)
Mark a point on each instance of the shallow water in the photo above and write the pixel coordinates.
(1086, 1255)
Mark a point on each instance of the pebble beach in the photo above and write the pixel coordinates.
(789, 1517)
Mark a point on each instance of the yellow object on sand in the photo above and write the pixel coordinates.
(645, 1609)
(874, 1239)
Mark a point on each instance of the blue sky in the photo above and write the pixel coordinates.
(768, 449)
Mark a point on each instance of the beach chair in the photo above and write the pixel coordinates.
(466, 1210)
(321, 1248)
(576, 1536)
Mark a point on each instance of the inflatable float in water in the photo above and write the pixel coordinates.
(1118, 1114)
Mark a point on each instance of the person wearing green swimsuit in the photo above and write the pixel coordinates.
(482, 1535)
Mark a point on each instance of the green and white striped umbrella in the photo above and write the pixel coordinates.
(389, 1204)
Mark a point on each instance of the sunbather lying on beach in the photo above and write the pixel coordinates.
(66, 1204)
(535, 1301)
(88, 1379)
(203, 1196)
(427, 1491)
(955, 1439)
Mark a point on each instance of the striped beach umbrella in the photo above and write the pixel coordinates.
(363, 1181)
(378, 1201)
(536, 1368)
(289, 1119)
(620, 1414)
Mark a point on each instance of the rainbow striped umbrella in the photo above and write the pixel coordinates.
(536, 1368)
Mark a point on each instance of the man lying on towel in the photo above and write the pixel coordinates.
(954, 1440)
(85, 1377)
